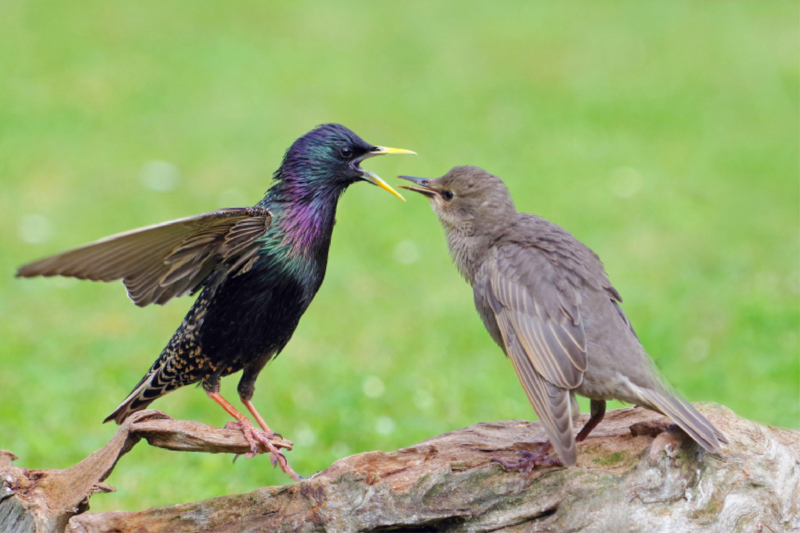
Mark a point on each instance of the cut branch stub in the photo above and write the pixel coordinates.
(44, 500)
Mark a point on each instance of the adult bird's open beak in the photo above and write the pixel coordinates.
(372, 177)
(423, 186)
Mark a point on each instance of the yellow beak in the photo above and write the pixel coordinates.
(373, 178)
(385, 150)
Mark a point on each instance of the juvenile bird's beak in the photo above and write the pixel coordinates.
(372, 177)
(423, 186)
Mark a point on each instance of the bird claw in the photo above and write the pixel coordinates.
(255, 437)
(529, 461)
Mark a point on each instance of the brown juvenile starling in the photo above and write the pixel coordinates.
(545, 299)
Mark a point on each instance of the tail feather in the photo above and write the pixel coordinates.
(687, 418)
(149, 389)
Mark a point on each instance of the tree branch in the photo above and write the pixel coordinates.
(49, 498)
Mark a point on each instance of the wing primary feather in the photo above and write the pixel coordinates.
(546, 403)
(159, 262)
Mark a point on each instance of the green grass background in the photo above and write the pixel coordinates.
(663, 134)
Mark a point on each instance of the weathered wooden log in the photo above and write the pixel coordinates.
(635, 473)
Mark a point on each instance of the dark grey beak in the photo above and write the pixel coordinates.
(423, 186)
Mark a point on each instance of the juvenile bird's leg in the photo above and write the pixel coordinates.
(598, 410)
(253, 435)
(531, 460)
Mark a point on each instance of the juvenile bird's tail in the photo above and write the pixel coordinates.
(687, 418)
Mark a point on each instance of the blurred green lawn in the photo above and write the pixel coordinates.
(663, 135)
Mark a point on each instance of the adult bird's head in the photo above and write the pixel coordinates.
(327, 160)
(467, 199)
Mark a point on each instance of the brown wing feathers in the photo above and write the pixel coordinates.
(543, 335)
(550, 403)
(160, 262)
(544, 318)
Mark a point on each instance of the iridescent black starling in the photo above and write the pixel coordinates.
(258, 269)
(545, 299)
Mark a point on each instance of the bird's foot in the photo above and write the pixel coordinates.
(530, 460)
(255, 437)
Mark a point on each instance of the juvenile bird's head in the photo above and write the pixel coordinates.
(474, 207)
(327, 160)
(468, 200)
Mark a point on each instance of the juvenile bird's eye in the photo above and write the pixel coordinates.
(346, 152)
(447, 195)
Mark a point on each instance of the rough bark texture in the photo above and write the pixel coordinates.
(632, 475)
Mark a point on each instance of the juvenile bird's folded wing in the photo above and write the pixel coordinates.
(530, 300)
(551, 403)
(160, 262)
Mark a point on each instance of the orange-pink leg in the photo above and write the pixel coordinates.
(258, 417)
(253, 435)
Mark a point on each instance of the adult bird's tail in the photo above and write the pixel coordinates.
(687, 418)
(151, 386)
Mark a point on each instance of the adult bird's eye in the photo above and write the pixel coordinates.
(447, 195)
(346, 152)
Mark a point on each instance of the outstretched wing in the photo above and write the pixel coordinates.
(161, 262)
